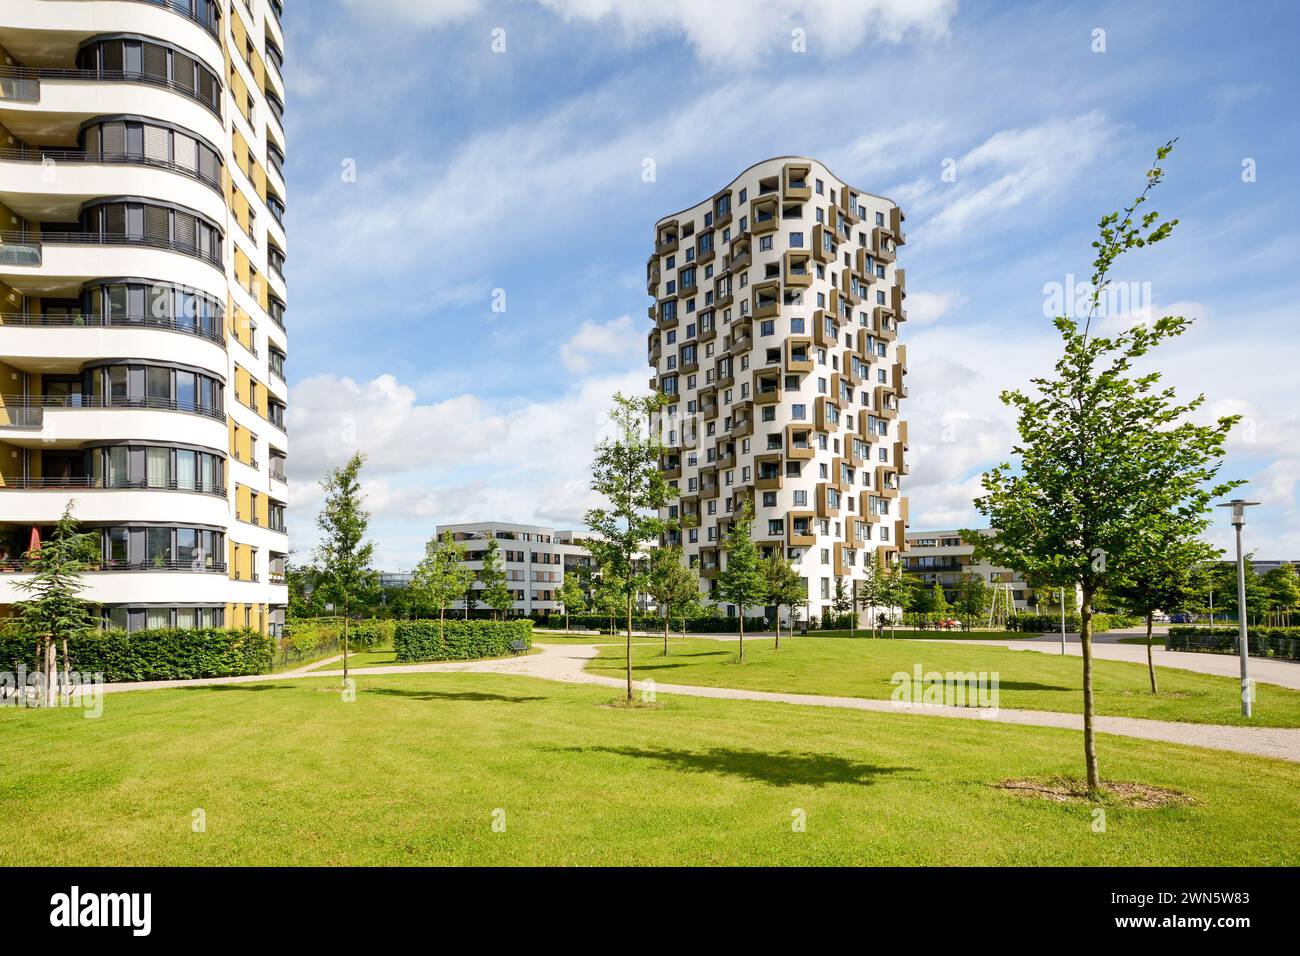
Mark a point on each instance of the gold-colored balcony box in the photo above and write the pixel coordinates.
(896, 296)
(722, 217)
(798, 354)
(819, 250)
(885, 405)
(800, 529)
(799, 441)
(882, 244)
(848, 205)
(798, 268)
(767, 386)
(896, 219)
(767, 472)
(796, 181)
(666, 240)
(705, 255)
(764, 214)
(766, 300)
(825, 509)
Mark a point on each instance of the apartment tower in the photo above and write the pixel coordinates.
(142, 300)
(776, 317)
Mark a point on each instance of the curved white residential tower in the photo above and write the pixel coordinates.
(776, 317)
(142, 300)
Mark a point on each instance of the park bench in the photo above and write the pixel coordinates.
(519, 646)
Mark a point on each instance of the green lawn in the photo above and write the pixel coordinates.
(559, 637)
(929, 635)
(1028, 680)
(411, 773)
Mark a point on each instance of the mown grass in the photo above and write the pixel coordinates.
(417, 768)
(1028, 680)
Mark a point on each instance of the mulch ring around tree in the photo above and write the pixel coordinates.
(1066, 790)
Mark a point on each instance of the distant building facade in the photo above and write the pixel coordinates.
(943, 556)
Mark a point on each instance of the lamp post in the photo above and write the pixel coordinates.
(1239, 506)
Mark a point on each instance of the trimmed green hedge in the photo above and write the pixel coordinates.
(653, 623)
(458, 640)
(166, 653)
(305, 635)
(1281, 642)
(1051, 623)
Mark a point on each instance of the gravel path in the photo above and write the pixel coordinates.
(566, 663)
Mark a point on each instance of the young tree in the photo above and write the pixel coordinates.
(973, 599)
(1104, 453)
(343, 555)
(939, 600)
(571, 597)
(741, 581)
(897, 594)
(672, 584)
(1283, 589)
(1161, 576)
(627, 476)
(841, 599)
(784, 587)
(54, 612)
(496, 594)
(873, 589)
(442, 575)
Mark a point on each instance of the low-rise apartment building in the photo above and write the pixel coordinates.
(943, 556)
(534, 559)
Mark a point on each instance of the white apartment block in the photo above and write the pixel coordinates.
(776, 317)
(534, 559)
(142, 301)
(944, 557)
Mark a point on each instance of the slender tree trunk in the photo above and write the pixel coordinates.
(566, 620)
(666, 620)
(777, 645)
(67, 670)
(742, 632)
(1089, 733)
(629, 646)
(442, 624)
(1151, 666)
(51, 670)
(345, 643)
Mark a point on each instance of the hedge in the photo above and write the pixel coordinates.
(458, 640)
(305, 635)
(654, 623)
(166, 653)
(1050, 623)
(1281, 642)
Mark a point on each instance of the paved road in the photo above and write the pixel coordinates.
(566, 663)
(1264, 670)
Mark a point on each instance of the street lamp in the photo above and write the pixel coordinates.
(1239, 506)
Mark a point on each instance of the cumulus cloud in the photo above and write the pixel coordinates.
(596, 343)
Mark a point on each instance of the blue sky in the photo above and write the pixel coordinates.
(520, 170)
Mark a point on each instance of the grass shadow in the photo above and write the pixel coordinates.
(448, 695)
(782, 769)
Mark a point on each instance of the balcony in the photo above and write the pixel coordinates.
(28, 412)
(882, 245)
(765, 215)
(798, 354)
(722, 209)
(187, 324)
(767, 300)
(50, 158)
(666, 240)
(18, 249)
(798, 442)
(799, 529)
(795, 185)
(767, 387)
(742, 425)
(885, 404)
(886, 323)
(741, 255)
(796, 268)
(25, 84)
(768, 472)
(896, 219)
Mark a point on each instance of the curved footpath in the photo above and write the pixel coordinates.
(566, 663)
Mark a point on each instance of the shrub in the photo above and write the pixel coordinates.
(654, 623)
(458, 640)
(1280, 642)
(167, 653)
(1031, 623)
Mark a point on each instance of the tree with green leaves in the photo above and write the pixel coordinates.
(496, 594)
(939, 601)
(571, 597)
(784, 587)
(672, 584)
(1161, 576)
(55, 611)
(627, 476)
(841, 599)
(897, 594)
(974, 598)
(873, 589)
(343, 555)
(741, 581)
(1104, 453)
(442, 576)
(1283, 587)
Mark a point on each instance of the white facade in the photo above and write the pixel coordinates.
(142, 300)
(776, 317)
(533, 557)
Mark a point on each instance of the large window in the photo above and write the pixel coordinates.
(136, 222)
(153, 142)
(163, 548)
(151, 385)
(142, 618)
(138, 60)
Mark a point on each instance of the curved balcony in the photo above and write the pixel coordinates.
(45, 160)
(27, 83)
(17, 249)
(63, 334)
(42, 500)
(37, 421)
(188, 23)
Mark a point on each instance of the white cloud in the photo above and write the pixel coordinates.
(926, 308)
(616, 341)
(730, 31)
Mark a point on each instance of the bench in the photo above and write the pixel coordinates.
(519, 646)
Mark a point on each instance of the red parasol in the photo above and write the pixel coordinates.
(36, 540)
